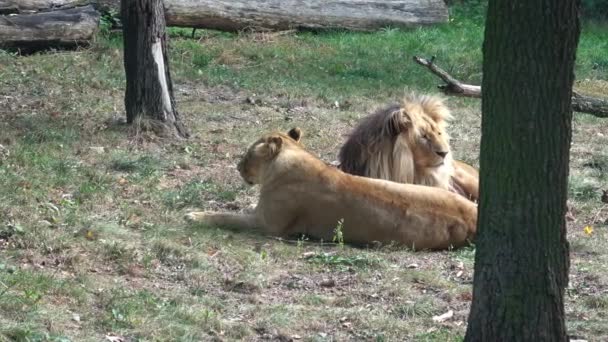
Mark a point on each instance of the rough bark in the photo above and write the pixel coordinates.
(360, 15)
(149, 91)
(59, 28)
(580, 103)
(521, 261)
(28, 6)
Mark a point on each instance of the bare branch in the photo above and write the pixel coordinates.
(580, 103)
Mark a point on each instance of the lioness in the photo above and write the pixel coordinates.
(301, 194)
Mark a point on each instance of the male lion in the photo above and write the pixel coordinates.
(302, 194)
(408, 143)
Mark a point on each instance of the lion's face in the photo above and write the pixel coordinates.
(259, 155)
(432, 145)
(422, 127)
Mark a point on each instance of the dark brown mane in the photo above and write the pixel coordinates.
(366, 137)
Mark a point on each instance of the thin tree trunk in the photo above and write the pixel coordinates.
(521, 262)
(149, 92)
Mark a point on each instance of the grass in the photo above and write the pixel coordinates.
(92, 243)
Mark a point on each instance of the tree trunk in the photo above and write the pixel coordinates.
(521, 262)
(359, 15)
(61, 28)
(149, 92)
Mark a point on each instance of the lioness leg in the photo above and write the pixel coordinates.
(235, 220)
(466, 180)
(469, 185)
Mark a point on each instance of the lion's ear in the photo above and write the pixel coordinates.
(274, 145)
(397, 122)
(405, 119)
(295, 134)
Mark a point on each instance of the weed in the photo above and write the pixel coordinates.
(466, 253)
(144, 166)
(598, 302)
(201, 59)
(424, 308)
(582, 189)
(340, 260)
(110, 19)
(338, 234)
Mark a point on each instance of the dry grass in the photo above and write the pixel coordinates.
(92, 243)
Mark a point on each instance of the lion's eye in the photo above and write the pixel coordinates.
(425, 137)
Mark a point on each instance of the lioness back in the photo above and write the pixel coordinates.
(377, 210)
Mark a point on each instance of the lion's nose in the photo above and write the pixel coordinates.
(441, 154)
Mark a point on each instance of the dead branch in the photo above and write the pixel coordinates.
(580, 103)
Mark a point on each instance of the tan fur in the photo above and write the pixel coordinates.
(408, 143)
(466, 178)
(301, 194)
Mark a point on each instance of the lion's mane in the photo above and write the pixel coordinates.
(391, 144)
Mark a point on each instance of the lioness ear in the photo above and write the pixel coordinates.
(274, 145)
(295, 134)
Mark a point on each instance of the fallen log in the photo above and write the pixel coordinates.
(61, 28)
(580, 103)
(357, 15)
(30, 6)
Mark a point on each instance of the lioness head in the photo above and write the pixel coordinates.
(253, 164)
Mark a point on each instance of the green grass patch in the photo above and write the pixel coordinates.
(583, 189)
(196, 193)
(142, 166)
(342, 261)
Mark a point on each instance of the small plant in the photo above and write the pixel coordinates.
(421, 308)
(109, 20)
(301, 240)
(201, 60)
(263, 254)
(466, 253)
(338, 235)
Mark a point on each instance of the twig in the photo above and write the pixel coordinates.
(6, 288)
(296, 242)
